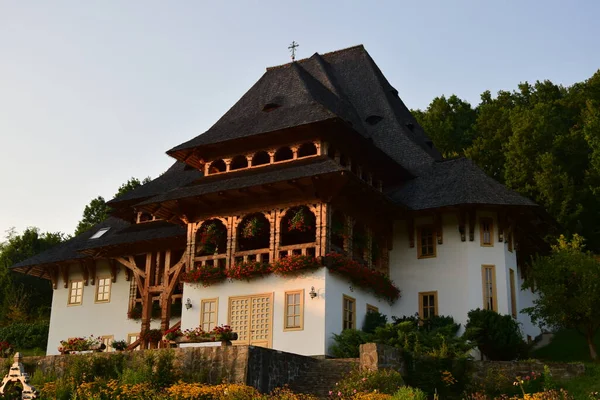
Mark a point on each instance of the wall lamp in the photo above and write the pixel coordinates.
(312, 293)
(188, 304)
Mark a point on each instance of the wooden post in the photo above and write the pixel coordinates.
(146, 299)
(274, 221)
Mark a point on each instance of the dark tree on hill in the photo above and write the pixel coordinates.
(542, 140)
(24, 297)
(97, 211)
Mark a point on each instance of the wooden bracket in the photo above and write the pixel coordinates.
(84, 273)
(127, 274)
(462, 218)
(502, 225)
(92, 271)
(113, 270)
(472, 225)
(410, 224)
(54, 277)
(439, 228)
(64, 269)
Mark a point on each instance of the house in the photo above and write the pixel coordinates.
(318, 172)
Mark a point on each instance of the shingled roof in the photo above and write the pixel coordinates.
(178, 175)
(247, 178)
(345, 84)
(454, 182)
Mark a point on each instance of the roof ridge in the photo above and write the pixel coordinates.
(358, 46)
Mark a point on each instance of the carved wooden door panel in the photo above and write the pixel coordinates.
(251, 317)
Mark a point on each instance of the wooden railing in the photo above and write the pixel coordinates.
(305, 249)
(212, 260)
(262, 255)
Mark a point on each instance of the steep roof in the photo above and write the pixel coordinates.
(345, 84)
(178, 175)
(248, 178)
(454, 182)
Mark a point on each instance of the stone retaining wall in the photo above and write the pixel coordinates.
(482, 370)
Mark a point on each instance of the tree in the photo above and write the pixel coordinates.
(24, 295)
(97, 211)
(568, 286)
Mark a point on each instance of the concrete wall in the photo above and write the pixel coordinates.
(91, 318)
(308, 341)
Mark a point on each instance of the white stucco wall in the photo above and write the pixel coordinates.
(336, 288)
(91, 318)
(455, 272)
(308, 341)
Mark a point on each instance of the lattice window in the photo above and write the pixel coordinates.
(428, 304)
(75, 293)
(208, 314)
(107, 340)
(488, 273)
(426, 244)
(486, 227)
(260, 326)
(349, 313)
(294, 310)
(371, 308)
(239, 310)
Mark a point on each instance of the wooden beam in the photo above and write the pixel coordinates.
(92, 271)
(472, 225)
(64, 269)
(439, 227)
(54, 277)
(128, 274)
(129, 263)
(84, 273)
(462, 219)
(113, 270)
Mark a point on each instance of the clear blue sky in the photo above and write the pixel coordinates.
(94, 92)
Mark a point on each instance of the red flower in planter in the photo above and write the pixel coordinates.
(294, 264)
(206, 275)
(248, 270)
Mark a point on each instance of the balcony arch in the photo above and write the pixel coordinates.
(338, 231)
(298, 226)
(283, 154)
(253, 232)
(307, 149)
(217, 166)
(360, 242)
(261, 158)
(238, 162)
(211, 238)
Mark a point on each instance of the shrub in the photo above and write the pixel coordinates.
(409, 393)
(373, 320)
(26, 335)
(497, 336)
(347, 343)
(382, 381)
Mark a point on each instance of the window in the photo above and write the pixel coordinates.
(75, 293)
(488, 274)
(486, 228)
(371, 308)
(99, 233)
(426, 241)
(132, 338)
(349, 313)
(428, 304)
(208, 314)
(294, 311)
(513, 294)
(107, 340)
(103, 290)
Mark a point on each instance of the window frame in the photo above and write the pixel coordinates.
(513, 293)
(433, 293)
(353, 311)
(97, 291)
(286, 328)
(69, 295)
(202, 312)
(371, 308)
(420, 229)
(135, 335)
(107, 340)
(485, 267)
(490, 221)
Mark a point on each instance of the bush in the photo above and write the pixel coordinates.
(374, 320)
(382, 381)
(347, 343)
(26, 335)
(409, 393)
(497, 336)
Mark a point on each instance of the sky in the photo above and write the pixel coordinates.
(93, 93)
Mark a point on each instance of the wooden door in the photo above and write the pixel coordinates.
(252, 318)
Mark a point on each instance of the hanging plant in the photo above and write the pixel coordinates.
(248, 270)
(295, 264)
(206, 275)
(152, 335)
(252, 228)
(301, 221)
(209, 238)
(135, 312)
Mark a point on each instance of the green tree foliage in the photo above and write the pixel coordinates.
(542, 140)
(568, 286)
(97, 211)
(24, 297)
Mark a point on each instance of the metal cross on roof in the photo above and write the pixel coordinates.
(292, 48)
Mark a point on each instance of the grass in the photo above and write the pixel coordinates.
(566, 346)
(570, 346)
(32, 352)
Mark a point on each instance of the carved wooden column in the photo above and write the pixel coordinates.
(274, 234)
(321, 147)
(227, 164)
(234, 227)
(191, 243)
(271, 156)
(369, 249)
(325, 228)
(230, 242)
(147, 299)
(294, 151)
(249, 159)
(349, 235)
(165, 301)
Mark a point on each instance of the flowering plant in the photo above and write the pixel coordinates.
(135, 312)
(119, 345)
(206, 275)
(252, 228)
(301, 221)
(6, 349)
(152, 335)
(223, 333)
(248, 270)
(295, 263)
(173, 333)
(196, 334)
(362, 276)
(210, 236)
(81, 344)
